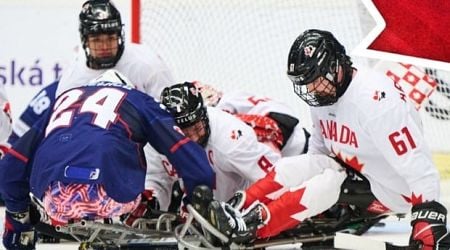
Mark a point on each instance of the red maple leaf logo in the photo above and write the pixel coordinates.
(296, 198)
(414, 200)
(352, 162)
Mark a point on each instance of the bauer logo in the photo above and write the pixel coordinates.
(431, 215)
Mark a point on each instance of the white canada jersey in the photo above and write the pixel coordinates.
(143, 67)
(235, 154)
(245, 103)
(376, 130)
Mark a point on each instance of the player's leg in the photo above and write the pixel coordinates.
(289, 172)
(292, 207)
(313, 197)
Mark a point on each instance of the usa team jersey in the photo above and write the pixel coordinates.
(236, 157)
(95, 134)
(34, 111)
(143, 67)
(376, 131)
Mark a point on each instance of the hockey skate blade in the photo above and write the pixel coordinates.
(356, 242)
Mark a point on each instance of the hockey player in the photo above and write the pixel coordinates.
(274, 123)
(88, 161)
(236, 156)
(104, 47)
(364, 120)
(102, 38)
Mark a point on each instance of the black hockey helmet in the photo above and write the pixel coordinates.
(185, 103)
(100, 17)
(314, 54)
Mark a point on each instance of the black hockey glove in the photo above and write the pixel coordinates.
(145, 209)
(19, 232)
(429, 230)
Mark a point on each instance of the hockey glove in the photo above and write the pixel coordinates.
(429, 230)
(143, 210)
(19, 233)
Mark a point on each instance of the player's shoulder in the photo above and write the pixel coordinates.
(51, 88)
(141, 53)
(222, 118)
(373, 92)
(227, 129)
(145, 104)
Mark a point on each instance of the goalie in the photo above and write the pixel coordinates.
(379, 138)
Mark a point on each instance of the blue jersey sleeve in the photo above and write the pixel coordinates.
(34, 111)
(15, 167)
(188, 158)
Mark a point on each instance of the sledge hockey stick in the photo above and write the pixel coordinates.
(355, 242)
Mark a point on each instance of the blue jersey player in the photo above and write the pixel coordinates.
(84, 157)
(35, 110)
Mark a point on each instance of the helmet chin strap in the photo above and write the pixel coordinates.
(102, 63)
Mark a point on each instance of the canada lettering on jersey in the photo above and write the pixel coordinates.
(338, 133)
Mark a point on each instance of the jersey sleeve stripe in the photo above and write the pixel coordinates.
(178, 145)
(18, 155)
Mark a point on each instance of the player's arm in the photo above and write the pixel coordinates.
(15, 167)
(245, 155)
(15, 170)
(398, 135)
(316, 143)
(34, 111)
(186, 156)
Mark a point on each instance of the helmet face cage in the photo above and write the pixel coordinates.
(185, 103)
(100, 17)
(315, 98)
(316, 56)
